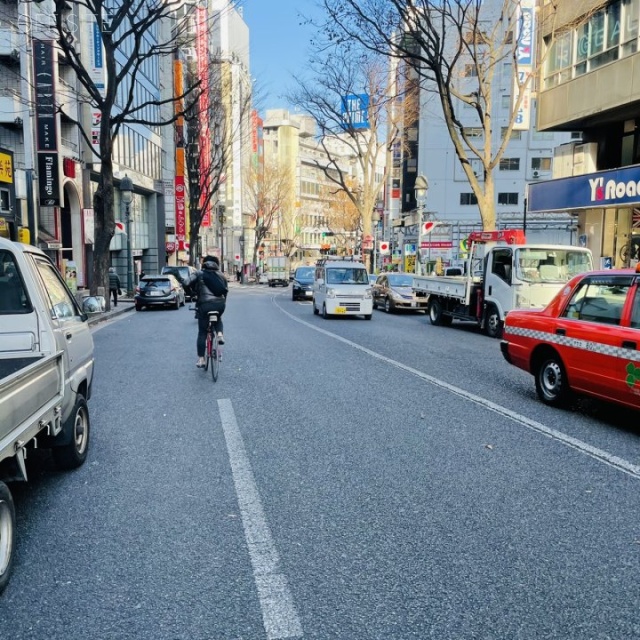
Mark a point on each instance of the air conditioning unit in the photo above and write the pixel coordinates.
(585, 158)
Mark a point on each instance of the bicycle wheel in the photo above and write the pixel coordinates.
(207, 351)
(215, 360)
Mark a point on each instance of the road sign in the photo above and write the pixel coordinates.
(384, 248)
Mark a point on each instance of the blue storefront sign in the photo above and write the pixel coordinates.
(616, 187)
(355, 111)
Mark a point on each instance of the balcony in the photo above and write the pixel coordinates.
(10, 106)
(9, 42)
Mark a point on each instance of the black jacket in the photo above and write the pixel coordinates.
(212, 285)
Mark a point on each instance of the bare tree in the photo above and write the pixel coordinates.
(359, 119)
(132, 35)
(458, 49)
(267, 190)
(343, 217)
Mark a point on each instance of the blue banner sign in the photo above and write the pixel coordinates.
(612, 188)
(355, 111)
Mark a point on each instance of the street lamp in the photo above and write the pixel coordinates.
(126, 195)
(420, 187)
(375, 219)
(221, 219)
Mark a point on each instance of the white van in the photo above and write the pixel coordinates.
(341, 287)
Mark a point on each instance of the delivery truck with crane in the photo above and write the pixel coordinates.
(502, 272)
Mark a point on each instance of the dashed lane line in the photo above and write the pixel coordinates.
(279, 615)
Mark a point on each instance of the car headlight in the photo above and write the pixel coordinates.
(368, 294)
(331, 293)
(395, 295)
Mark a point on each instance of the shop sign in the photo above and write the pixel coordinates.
(616, 187)
(170, 247)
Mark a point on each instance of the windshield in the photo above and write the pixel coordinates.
(551, 265)
(400, 280)
(347, 275)
(305, 273)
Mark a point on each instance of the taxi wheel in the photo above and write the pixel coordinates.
(552, 385)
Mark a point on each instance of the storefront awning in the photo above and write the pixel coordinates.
(47, 241)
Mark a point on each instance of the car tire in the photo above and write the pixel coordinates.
(435, 312)
(373, 304)
(293, 295)
(138, 307)
(552, 384)
(388, 305)
(492, 322)
(325, 315)
(7, 534)
(176, 306)
(315, 309)
(73, 452)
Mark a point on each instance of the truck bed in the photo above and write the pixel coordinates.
(447, 286)
(31, 392)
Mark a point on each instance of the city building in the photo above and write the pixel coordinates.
(589, 83)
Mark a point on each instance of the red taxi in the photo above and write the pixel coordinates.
(587, 340)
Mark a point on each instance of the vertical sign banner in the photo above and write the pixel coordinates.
(96, 70)
(181, 215)
(204, 116)
(524, 69)
(46, 124)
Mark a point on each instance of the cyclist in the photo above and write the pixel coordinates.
(212, 289)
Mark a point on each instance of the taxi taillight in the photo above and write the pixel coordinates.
(638, 268)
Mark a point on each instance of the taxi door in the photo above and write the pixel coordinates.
(591, 337)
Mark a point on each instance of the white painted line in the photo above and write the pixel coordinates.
(279, 614)
(598, 454)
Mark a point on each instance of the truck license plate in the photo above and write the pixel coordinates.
(341, 310)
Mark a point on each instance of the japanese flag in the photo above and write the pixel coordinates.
(383, 247)
(120, 228)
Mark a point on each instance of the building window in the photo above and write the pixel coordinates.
(5, 201)
(510, 164)
(468, 198)
(470, 71)
(515, 135)
(505, 101)
(507, 198)
(541, 164)
(473, 132)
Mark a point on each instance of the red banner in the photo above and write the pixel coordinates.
(181, 218)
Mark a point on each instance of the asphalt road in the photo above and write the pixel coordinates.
(343, 479)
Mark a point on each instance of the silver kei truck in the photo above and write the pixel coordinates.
(46, 371)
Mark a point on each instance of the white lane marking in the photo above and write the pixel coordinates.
(279, 614)
(583, 447)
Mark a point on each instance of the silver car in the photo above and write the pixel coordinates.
(394, 292)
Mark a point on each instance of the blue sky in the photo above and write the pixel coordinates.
(279, 45)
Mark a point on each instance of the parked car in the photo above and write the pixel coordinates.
(372, 278)
(303, 283)
(587, 340)
(186, 276)
(162, 290)
(393, 292)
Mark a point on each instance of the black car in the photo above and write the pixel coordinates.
(303, 283)
(161, 290)
(186, 276)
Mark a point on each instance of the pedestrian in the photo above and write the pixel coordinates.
(114, 285)
(212, 288)
(238, 274)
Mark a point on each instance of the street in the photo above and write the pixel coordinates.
(343, 479)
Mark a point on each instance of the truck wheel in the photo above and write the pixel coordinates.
(435, 312)
(73, 451)
(7, 537)
(552, 384)
(492, 322)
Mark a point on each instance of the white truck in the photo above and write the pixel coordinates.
(510, 275)
(46, 371)
(278, 271)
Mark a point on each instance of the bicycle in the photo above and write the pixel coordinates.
(213, 350)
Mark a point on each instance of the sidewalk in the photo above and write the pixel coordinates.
(124, 304)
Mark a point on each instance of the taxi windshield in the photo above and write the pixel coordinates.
(551, 265)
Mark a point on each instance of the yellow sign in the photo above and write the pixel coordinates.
(6, 168)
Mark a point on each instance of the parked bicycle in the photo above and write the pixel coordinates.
(213, 349)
